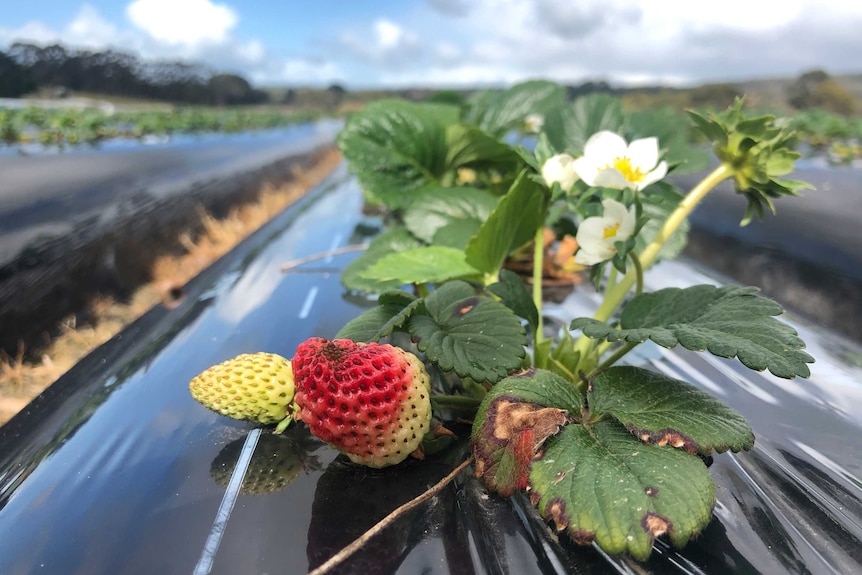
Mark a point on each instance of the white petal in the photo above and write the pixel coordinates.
(614, 213)
(586, 258)
(586, 169)
(554, 168)
(591, 231)
(559, 169)
(627, 226)
(604, 147)
(643, 154)
(658, 173)
(610, 178)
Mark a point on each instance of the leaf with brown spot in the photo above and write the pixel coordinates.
(601, 484)
(516, 417)
(666, 411)
(470, 334)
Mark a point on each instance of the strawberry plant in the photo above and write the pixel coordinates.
(61, 127)
(609, 453)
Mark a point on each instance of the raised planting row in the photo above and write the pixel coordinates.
(560, 191)
(840, 137)
(62, 127)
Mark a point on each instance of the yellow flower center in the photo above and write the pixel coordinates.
(611, 231)
(631, 174)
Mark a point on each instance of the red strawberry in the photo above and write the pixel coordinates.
(370, 401)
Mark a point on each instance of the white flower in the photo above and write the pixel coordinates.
(610, 163)
(533, 123)
(597, 235)
(560, 169)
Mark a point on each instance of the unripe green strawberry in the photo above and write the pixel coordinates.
(370, 401)
(252, 386)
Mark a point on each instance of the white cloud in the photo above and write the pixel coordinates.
(388, 34)
(31, 31)
(183, 21)
(385, 45)
(625, 41)
(87, 29)
(194, 30)
(467, 42)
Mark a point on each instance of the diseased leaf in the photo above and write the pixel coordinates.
(514, 294)
(396, 147)
(441, 208)
(471, 334)
(513, 223)
(601, 484)
(381, 320)
(514, 420)
(666, 411)
(391, 241)
(727, 321)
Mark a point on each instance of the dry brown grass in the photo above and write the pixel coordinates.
(22, 380)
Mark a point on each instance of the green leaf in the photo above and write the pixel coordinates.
(469, 146)
(603, 485)
(420, 265)
(666, 411)
(471, 334)
(658, 203)
(457, 234)
(396, 297)
(391, 241)
(501, 112)
(569, 127)
(757, 150)
(672, 130)
(727, 321)
(513, 223)
(542, 152)
(396, 147)
(390, 314)
(564, 358)
(513, 421)
(707, 127)
(448, 211)
(514, 294)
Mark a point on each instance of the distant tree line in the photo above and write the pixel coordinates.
(25, 68)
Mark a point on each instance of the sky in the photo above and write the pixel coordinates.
(460, 43)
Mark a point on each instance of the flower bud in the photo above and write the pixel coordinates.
(559, 169)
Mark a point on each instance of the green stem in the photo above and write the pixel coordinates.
(639, 271)
(615, 296)
(612, 279)
(618, 354)
(538, 255)
(423, 290)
